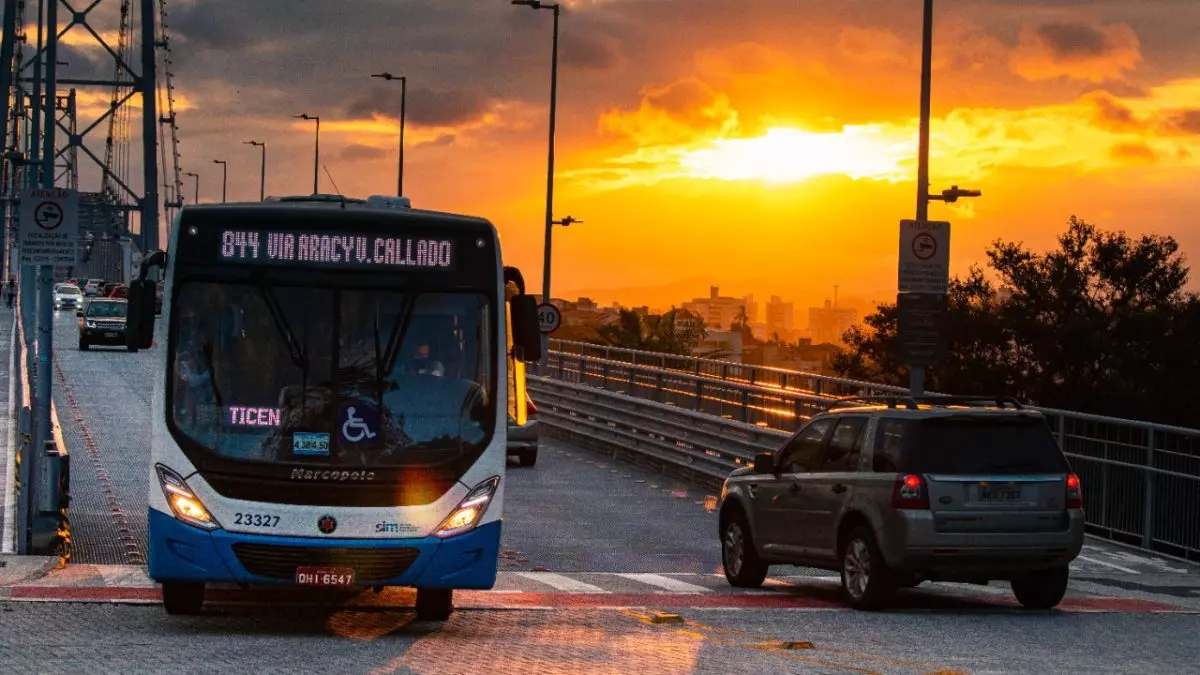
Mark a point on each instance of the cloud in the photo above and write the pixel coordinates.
(1076, 50)
(425, 107)
(1133, 152)
(1111, 114)
(674, 113)
(591, 51)
(878, 47)
(359, 151)
(199, 25)
(1183, 122)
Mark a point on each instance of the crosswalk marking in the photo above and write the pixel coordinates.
(666, 583)
(561, 583)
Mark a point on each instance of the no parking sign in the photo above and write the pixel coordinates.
(49, 227)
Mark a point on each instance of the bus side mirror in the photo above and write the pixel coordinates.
(526, 331)
(139, 323)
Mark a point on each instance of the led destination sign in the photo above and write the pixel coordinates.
(335, 250)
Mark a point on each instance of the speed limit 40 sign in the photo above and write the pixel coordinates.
(549, 318)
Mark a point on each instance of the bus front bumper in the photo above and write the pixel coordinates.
(180, 552)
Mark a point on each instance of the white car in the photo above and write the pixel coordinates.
(92, 287)
(67, 296)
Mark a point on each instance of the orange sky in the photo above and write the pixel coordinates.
(767, 147)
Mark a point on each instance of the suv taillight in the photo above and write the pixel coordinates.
(910, 493)
(1074, 492)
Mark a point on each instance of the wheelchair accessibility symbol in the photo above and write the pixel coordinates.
(355, 428)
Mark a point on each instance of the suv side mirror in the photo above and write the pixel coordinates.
(139, 322)
(526, 331)
(764, 462)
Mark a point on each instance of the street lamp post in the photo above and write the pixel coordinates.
(536, 5)
(262, 183)
(316, 148)
(224, 176)
(403, 101)
(916, 374)
(196, 177)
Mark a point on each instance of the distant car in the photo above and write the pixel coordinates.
(523, 440)
(932, 489)
(102, 322)
(67, 296)
(92, 287)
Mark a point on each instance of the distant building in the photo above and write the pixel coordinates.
(725, 345)
(751, 306)
(586, 305)
(781, 318)
(827, 324)
(716, 310)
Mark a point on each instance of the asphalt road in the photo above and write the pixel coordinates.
(87, 638)
(586, 539)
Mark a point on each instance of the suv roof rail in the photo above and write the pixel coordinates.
(915, 402)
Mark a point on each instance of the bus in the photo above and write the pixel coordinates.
(333, 381)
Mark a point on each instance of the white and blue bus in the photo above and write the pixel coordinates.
(331, 398)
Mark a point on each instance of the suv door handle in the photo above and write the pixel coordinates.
(838, 488)
(794, 488)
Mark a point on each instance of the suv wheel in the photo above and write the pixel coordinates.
(528, 457)
(1042, 589)
(83, 344)
(866, 579)
(743, 568)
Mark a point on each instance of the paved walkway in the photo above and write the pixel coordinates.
(7, 423)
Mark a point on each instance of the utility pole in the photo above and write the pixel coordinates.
(403, 101)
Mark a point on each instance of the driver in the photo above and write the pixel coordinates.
(194, 390)
(422, 364)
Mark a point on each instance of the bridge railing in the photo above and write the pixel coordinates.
(1141, 480)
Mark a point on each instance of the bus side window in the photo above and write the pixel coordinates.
(516, 368)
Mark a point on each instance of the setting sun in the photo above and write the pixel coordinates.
(784, 155)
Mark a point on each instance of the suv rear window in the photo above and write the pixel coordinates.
(969, 444)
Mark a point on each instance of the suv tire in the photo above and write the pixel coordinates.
(1043, 589)
(867, 581)
(743, 567)
(83, 345)
(528, 457)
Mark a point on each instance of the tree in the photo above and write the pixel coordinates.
(1100, 324)
(675, 332)
(741, 324)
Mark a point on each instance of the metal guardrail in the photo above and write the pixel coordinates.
(1141, 480)
(682, 443)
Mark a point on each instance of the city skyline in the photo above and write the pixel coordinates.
(783, 156)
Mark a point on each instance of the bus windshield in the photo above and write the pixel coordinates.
(344, 377)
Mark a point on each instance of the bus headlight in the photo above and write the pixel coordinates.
(183, 502)
(468, 512)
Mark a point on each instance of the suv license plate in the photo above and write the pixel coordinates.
(998, 493)
(325, 576)
(110, 335)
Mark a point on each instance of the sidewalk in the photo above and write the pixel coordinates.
(7, 424)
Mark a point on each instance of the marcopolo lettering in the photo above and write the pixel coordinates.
(332, 475)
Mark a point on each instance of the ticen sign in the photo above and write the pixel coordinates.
(49, 227)
(924, 257)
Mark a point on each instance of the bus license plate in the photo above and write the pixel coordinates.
(325, 576)
(999, 493)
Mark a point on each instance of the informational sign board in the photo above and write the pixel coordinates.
(924, 257)
(549, 318)
(920, 329)
(49, 227)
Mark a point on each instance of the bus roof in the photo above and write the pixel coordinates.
(362, 210)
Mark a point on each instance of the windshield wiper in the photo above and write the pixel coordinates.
(207, 350)
(295, 350)
(399, 329)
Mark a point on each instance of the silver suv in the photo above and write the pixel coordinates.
(894, 491)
